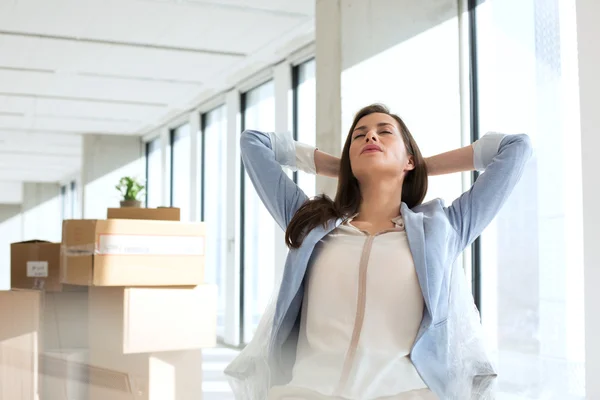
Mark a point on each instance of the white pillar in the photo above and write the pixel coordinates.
(41, 210)
(588, 32)
(329, 84)
(106, 159)
(232, 262)
(165, 158)
(195, 162)
(11, 231)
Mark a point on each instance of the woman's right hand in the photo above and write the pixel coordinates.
(326, 164)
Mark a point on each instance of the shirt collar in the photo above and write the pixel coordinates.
(398, 221)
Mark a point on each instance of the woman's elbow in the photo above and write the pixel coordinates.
(524, 143)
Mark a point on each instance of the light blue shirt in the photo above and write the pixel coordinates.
(449, 351)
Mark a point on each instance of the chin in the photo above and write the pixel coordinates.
(378, 171)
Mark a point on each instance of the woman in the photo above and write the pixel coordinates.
(371, 304)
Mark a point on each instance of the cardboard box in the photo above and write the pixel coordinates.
(64, 321)
(35, 264)
(20, 316)
(161, 213)
(120, 252)
(145, 320)
(63, 344)
(64, 374)
(155, 376)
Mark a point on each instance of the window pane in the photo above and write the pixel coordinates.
(215, 208)
(259, 231)
(532, 269)
(64, 201)
(424, 92)
(181, 170)
(154, 184)
(307, 119)
(73, 201)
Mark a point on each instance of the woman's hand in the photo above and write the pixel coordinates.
(326, 164)
(459, 160)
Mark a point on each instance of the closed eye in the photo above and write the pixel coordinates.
(382, 132)
(357, 136)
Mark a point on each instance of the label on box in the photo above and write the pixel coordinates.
(37, 269)
(150, 245)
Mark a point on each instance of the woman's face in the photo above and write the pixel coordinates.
(377, 149)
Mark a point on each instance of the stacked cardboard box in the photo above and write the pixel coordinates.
(20, 315)
(124, 313)
(63, 313)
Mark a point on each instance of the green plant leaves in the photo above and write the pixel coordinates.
(130, 188)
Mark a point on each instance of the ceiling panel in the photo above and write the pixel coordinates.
(40, 143)
(139, 63)
(92, 110)
(86, 126)
(35, 174)
(75, 67)
(280, 6)
(76, 86)
(60, 161)
(230, 30)
(145, 21)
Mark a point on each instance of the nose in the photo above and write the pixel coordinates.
(371, 136)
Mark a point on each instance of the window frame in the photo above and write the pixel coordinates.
(476, 257)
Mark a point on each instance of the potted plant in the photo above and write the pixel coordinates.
(130, 190)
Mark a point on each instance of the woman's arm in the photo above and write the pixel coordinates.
(459, 160)
(503, 159)
(263, 155)
(326, 164)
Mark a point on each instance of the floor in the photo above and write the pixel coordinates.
(214, 361)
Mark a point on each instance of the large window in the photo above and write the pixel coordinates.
(258, 230)
(74, 199)
(214, 132)
(305, 119)
(531, 258)
(418, 79)
(154, 185)
(68, 199)
(181, 170)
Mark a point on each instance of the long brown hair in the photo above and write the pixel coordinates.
(321, 209)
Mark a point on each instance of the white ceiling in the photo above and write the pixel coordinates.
(74, 67)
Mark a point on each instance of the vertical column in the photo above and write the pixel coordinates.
(165, 158)
(282, 76)
(106, 159)
(232, 262)
(329, 84)
(573, 221)
(195, 163)
(41, 210)
(588, 32)
(11, 230)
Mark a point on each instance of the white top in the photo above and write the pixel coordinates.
(361, 313)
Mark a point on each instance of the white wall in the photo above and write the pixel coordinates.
(41, 211)
(106, 159)
(39, 217)
(404, 54)
(11, 192)
(588, 32)
(11, 230)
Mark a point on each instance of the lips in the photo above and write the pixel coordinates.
(370, 148)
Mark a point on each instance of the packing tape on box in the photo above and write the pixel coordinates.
(139, 245)
(68, 370)
(86, 374)
(74, 251)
